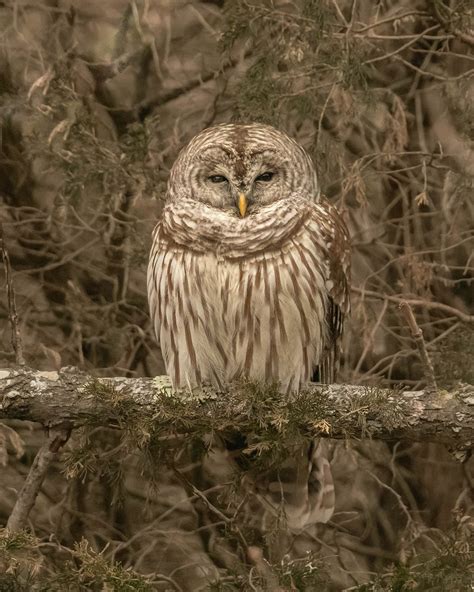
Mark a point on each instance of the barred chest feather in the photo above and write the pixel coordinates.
(219, 316)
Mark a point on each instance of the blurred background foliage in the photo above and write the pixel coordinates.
(96, 99)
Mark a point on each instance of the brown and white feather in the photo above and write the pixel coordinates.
(262, 297)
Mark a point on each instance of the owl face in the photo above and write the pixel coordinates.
(240, 169)
(241, 182)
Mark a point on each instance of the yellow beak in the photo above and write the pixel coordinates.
(242, 203)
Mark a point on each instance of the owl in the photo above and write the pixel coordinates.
(248, 277)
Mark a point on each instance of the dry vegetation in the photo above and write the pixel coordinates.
(96, 98)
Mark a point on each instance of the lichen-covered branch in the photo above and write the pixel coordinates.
(69, 397)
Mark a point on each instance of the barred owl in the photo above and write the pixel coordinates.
(249, 277)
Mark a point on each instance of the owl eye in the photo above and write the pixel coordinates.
(217, 179)
(265, 177)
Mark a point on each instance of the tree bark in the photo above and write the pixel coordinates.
(67, 398)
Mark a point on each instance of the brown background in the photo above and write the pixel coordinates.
(96, 98)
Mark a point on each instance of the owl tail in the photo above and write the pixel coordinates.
(302, 487)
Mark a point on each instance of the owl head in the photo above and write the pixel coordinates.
(241, 168)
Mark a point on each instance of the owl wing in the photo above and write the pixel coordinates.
(336, 241)
(155, 264)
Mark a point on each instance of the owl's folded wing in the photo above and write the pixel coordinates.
(337, 242)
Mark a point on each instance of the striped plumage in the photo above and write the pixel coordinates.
(258, 293)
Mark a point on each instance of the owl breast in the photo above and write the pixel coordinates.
(260, 317)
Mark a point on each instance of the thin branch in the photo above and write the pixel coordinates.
(105, 70)
(396, 51)
(12, 312)
(229, 522)
(466, 37)
(417, 335)
(28, 493)
(391, 19)
(462, 316)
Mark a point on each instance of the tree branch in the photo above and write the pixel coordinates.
(28, 493)
(71, 398)
(417, 335)
(12, 311)
(427, 304)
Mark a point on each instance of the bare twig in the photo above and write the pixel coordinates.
(105, 70)
(398, 50)
(254, 554)
(455, 312)
(28, 493)
(466, 37)
(417, 335)
(194, 491)
(12, 312)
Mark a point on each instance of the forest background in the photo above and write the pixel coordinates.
(96, 99)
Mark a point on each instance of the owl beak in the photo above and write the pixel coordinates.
(242, 204)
